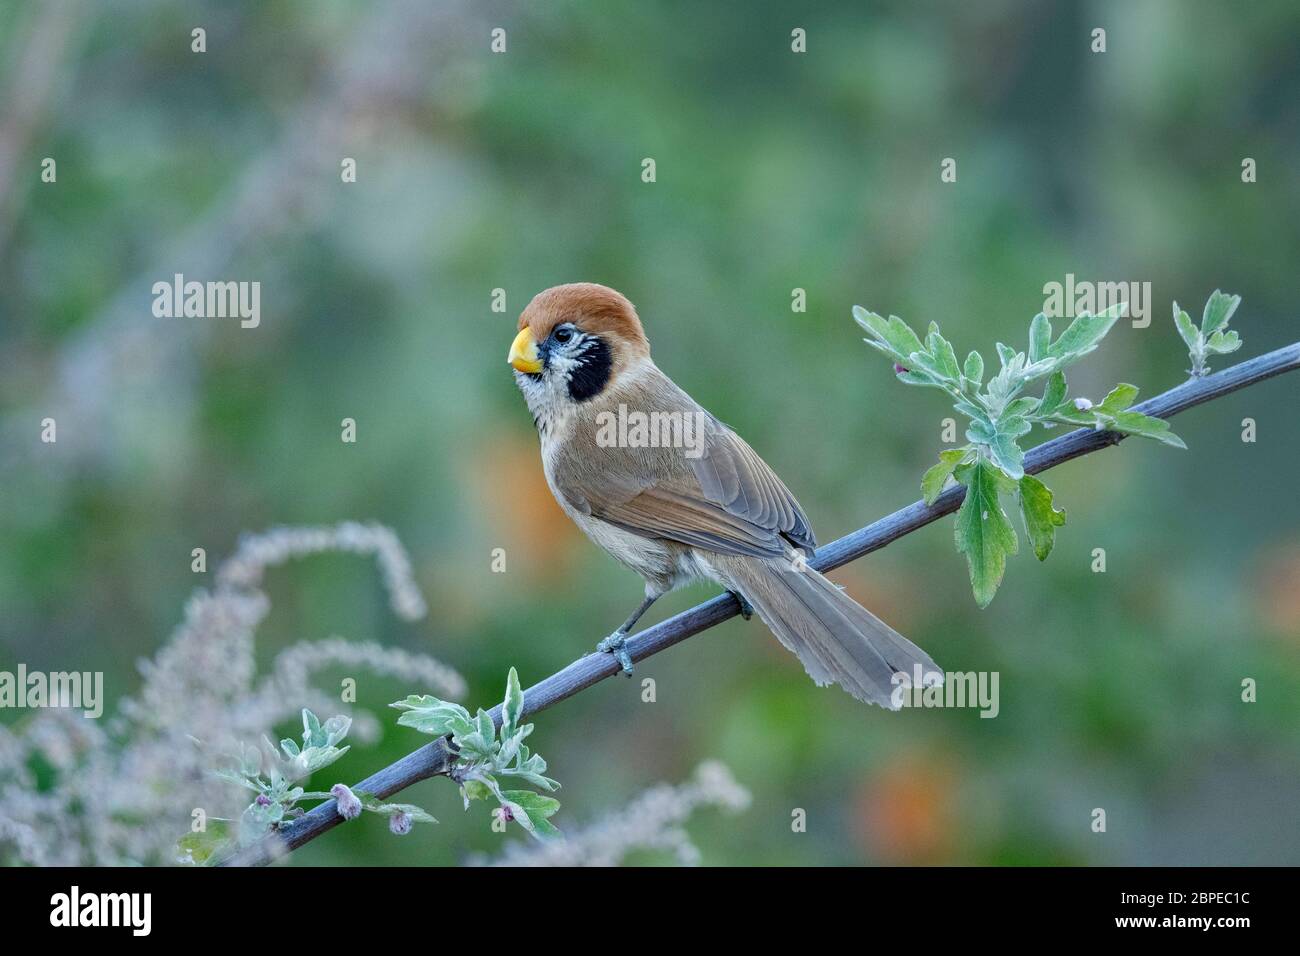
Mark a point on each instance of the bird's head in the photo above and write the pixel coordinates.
(574, 340)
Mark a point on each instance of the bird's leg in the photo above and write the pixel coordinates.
(746, 609)
(616, 643)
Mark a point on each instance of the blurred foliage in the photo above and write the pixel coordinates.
(774, 171)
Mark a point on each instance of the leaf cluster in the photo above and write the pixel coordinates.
(1002, 412)
(486, 753)
(273, 775)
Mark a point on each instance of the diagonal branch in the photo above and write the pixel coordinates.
(436, 758)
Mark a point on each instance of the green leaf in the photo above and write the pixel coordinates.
(429, 715)
(255, 822)
(1117, 399)
(1000, 440)
(982, 532)
(205, 847)
(893, 333)
(312, 735)
(1084, 334)
(536, 779)
(933, 480)
(1191, 337)
(546, 830)
(535, 803)
(336, 728)
(974, 367)
(911, 377)
(250, 760)
(237, 777)
(924, 362)
(475, 790)
(943, 353)
(981, 432)
(475, 746)
(1135, 423)
(1218, 310)
(1221, 343)
(1017, 409)
(512, 707)
(374, 805)
(1041, 519)
(973, 412)
(1054, 394)
(485, 725)
(1040, 337)
(531, 811)
(1008, 455)
(315, 758)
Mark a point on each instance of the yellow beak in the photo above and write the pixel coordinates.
(523, 352)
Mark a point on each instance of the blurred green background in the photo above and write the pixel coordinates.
(775, 170)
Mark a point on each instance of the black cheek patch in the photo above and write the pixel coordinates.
(591, 373)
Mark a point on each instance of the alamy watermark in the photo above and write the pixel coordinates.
(634, 429)
(77, 690)
(1073, 297)
(956, 689)
(208, 300)
(133, 911)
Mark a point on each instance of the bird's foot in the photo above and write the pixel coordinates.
(616, 644)
(746, 609)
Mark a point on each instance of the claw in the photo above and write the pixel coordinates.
(746, 609)
(616, 644)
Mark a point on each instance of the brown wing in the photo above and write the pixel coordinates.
(726, 500)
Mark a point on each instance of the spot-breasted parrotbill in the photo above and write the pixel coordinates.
(676, 495)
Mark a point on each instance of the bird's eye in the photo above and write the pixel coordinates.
(563, 334)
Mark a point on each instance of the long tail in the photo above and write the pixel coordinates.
(837, 639)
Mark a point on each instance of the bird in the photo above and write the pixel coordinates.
(684, 498)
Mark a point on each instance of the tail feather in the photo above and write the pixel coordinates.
(836, 638)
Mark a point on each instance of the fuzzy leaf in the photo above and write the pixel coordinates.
(312, 735)
(1221, 343)
(1017, 409)
(973, 412)
(933, 480)
(429, 715)
(374, 805)
(1135, 423)
(1040, 337)
(1041, 519)
(895, 334)
(202, 848)
(336, 728)
(512, 707)
(974, 367)
(531, 811)
(941, 349)
(1191, 337)
(981, 432)
(918, 377)
(1218, 310)
(1054, 394)
(485, 725)
(1118, 398)
(982, 532)
(475, 746)
(313, 759)
(1008, 455)
(475, 790)
(535, 802)
(1084, 333)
